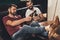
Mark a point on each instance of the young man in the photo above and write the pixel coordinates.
(13, 24)
(32, 10)
(12, 21)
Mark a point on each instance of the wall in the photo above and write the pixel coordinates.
(52, 5)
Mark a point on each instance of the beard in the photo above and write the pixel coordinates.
(13, 13)
(31, 8)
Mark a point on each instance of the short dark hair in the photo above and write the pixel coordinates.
(29, 1)
(12, 5)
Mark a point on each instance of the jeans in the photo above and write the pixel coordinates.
(27, 30)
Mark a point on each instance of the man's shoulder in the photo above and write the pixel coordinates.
(5, 17)
(28, 10)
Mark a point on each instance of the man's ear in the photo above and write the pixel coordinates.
(9, 10)
(56, 20)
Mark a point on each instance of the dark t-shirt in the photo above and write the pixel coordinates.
(11, 30)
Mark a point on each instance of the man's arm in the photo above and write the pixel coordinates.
(42, 16)
(14, 23)
(17, 22)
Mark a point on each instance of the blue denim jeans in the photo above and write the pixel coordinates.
(28, 29)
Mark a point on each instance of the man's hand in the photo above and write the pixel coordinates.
(28, 18)
(36, 18)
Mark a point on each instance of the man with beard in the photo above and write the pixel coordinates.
(14, 24)
(36, 15)
(34, 12)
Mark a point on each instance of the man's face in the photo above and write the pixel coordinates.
(12, 10)
(30, 5)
